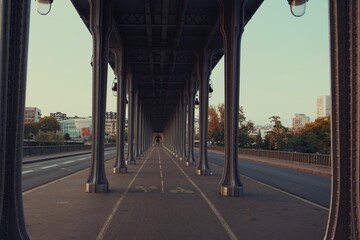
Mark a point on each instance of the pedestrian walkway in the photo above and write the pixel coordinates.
(160, 198)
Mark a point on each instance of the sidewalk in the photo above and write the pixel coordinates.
(161, 198)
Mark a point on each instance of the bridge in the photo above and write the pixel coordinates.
(162, 53)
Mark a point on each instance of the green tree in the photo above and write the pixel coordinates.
(30, 130)
(67, 136)
(314, 137)
(259, 140)
(49, 124)
(245, 128)
(276, 138)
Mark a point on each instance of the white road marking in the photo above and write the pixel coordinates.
(68, 162)
(84, 158)
(287, 193)
(27, 171)
(106, 225)
(50, 166)
(161, 174)
(162, 186)
(221, 219)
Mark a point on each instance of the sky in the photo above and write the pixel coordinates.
(285, 63)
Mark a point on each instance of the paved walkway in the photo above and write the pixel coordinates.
(161, 199)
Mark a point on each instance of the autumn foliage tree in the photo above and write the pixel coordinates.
(315, 137)
(214, 126)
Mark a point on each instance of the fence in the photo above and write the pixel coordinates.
(308, 158)
(43, 150)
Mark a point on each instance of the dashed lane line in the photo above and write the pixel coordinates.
(161, 174)
(50, 166)
(221, 219)
(27, 171)
(67, 162)
(106, 225)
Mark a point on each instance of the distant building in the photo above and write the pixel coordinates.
(32, 114)
(59, 116)
(110, 116)
(299, 120)
(110, 124)
(77, 128)
(323, 106)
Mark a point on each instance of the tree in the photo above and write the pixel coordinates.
(259, 140)
(314, 137)
(245, 129)
(30, 130)
(67, 136)
(213, 126)
(276, 138)
(49, 124)
(221, 111)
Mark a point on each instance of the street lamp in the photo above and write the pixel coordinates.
(44, 6)
(297, 7)
(114, 87)
(211, 90)
(197, 103)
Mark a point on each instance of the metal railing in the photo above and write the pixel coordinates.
(308, 158)
(43, 150)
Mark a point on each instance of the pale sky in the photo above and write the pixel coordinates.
(285, 63)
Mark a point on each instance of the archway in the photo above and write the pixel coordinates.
(157, 140)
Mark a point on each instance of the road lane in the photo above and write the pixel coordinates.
(39, 173)
(313, 188)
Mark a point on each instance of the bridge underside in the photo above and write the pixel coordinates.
(162, 41)
(162, 53)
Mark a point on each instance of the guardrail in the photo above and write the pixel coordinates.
(43, 150)
(308, 158)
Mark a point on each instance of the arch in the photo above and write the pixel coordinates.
(157, 140)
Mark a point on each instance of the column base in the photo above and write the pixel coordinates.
(131, 162)
(97, 187)
(231, 191)
(203, 172)
(190, 164)
(120, 170)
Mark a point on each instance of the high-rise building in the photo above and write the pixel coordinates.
(32, 114)
(59, 116)
(323, 106)
(299, 120)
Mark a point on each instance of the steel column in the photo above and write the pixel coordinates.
(131, 122)
(232, 26)
(203, 71)
(137, 125)
(183, 120)
(344, 214)
(181, 124)
(191, 103)
(14, 38)
(120, 164)
(100, 26)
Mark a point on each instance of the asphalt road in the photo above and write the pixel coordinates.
(39, 173)
(308, 186)
(311, 187)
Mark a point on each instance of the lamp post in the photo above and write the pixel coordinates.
(44, 6)
(197, 103)
(211, 90)
(297, 7)
(114, 87)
